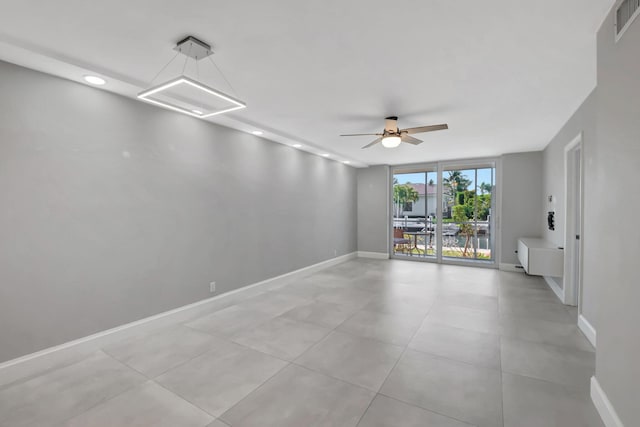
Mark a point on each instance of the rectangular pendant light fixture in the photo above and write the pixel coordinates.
(147, 95)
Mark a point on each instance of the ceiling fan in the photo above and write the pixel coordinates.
(392, 136)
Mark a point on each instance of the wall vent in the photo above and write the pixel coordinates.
(626, 12)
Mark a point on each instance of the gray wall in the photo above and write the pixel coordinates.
(521, 201)
(583, 120)
(611, 265)
(373, 209)
(113, 210)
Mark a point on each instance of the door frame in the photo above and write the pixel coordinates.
(439, 167)
(573, 222)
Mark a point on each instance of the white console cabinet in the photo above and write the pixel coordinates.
(540, 257)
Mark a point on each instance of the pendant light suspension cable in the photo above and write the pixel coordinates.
(224, 78)
(164, 68)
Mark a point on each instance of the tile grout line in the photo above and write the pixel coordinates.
(163, 372)
(189, 401)
(103, 401)
(426, 409)
(406, 347)
(566, 386)
(154, 379)
(394, 367)
(321, 373)
(251, 392)
(499, 334)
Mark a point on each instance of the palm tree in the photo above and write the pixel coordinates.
(485, 188)
(455, 183)
(402, 194)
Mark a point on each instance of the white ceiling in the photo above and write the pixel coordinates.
(505, 75)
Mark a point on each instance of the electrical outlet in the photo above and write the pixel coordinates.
(212, 287)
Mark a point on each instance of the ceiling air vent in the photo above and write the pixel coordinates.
(627, 11)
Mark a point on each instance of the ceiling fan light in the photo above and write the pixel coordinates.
(391, 141)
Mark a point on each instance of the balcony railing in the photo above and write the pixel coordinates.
(469, 240)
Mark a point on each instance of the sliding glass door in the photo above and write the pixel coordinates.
(444, 212)
(467, 221)
(415, 194)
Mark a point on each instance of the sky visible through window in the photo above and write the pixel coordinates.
(484, 175)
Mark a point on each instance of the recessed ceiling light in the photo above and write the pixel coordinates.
(325, 155)
(197, 111)
(297, 145)
(346, 162)
(95, 80)
(257, 132)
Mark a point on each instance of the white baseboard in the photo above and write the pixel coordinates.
(603, 405)
(373, 255)
(587, 329)
(511, 267)
(22, 366)
(555, 288)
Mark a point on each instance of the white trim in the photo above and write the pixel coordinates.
(587, 329)
(503, 266)
(373, 255)
(555, 287)
(497, 215)
(603, 405)
(470, 263)
(180, 314)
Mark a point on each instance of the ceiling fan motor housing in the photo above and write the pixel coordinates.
(391, 125)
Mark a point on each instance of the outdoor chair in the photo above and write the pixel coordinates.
(399, 241)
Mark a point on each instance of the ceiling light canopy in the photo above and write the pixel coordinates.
(391, 141)
(95, 80)
(188, 95)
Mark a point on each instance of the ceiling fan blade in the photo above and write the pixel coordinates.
(422, 129)
(362, 134)
(373, 143)
(410, 140)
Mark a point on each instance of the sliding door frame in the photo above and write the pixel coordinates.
(440, 167)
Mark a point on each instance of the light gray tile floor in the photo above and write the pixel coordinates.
(158, 352)
(217, 380)
(282, 337)
(146, 405)
(460, 390)
(387, 412)
(360, 361)
(458, 344)
(365, 343)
